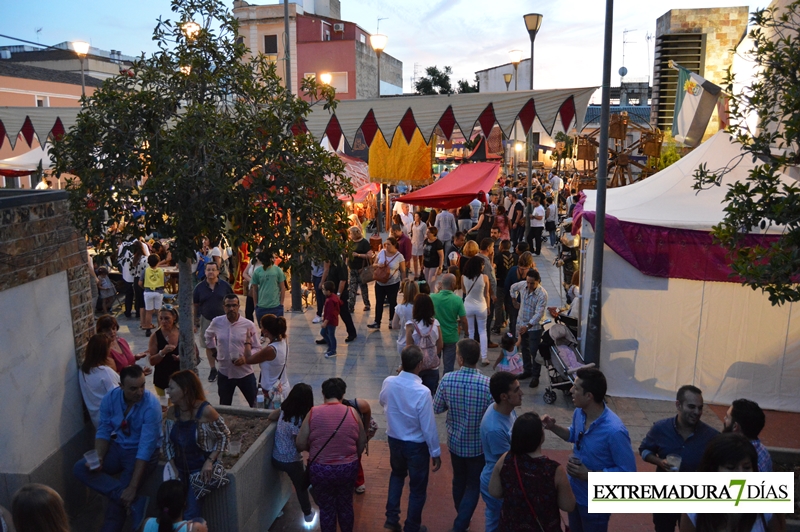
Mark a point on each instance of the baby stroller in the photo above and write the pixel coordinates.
(564, 360)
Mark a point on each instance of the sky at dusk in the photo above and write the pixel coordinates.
(468, 35)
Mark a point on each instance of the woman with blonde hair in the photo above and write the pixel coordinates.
(471, 248)
(38, 508)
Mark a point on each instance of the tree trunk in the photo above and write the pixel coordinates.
(186, 320)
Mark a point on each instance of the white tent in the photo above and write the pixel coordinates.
(28, 161)
(659, 333)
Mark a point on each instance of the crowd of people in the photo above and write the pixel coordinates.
(450, 279)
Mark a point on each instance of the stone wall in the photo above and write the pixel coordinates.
(46, 319)
(724, 28)
(37, 239)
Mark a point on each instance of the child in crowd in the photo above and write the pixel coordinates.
(107, 290)
(153, 285)
(330, 317)
(509, 359)
(171, 501)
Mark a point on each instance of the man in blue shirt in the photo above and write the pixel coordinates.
(496, 436)
(601, 443)
(465, 395)
(127, 442)
(683, 435)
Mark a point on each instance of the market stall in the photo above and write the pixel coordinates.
(459, 187)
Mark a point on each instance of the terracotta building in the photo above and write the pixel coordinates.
(320, 42)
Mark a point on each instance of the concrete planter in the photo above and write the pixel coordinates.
(791, 456)
(257, 492)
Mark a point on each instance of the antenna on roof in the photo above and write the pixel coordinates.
(379, 24)
(38, 34)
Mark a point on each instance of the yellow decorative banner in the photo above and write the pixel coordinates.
(403, 162)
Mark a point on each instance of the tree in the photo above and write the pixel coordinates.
(199, 136)
(435, 81)
(670, 152)
(565, 143)
(762, 200)
(464, 87)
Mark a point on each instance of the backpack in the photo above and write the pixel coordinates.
(430, 358)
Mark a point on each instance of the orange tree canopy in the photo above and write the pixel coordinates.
(459, 187)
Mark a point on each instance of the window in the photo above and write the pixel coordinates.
(42, 101)
(339, 81)
(327, 35)
(311, 75)
(363, 39)
(270, 44)
(239, 40)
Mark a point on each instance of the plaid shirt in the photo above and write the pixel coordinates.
(532, 304)
(465, 395)
(764, 459)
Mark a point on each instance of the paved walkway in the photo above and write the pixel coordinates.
(365, 363)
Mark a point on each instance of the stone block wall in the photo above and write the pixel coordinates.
(724, 28)
(37, 239)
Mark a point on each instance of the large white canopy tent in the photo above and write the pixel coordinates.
(661, 332)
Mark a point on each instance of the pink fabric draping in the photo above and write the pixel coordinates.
(667, 251)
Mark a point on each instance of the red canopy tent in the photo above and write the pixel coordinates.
(459, 187)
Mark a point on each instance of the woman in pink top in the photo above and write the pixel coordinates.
(120, 350)
(334, 436)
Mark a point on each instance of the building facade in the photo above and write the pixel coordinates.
(320, 42)
(701, 40)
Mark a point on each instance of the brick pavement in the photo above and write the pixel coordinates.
(367, 361)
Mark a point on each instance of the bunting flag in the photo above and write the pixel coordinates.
(695, 99)
(403, 162)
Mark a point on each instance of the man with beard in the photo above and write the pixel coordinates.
(746, 417)
(683, 435)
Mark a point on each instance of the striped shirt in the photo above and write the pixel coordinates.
(532, 304)
(343, 447)
(464, 394)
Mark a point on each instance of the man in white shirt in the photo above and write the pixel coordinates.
(537, 226)
(227, 335)
(413, 438)
(557, 183)
(407, 218)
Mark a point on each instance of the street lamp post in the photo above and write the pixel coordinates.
(507, 78)
(516, 57)
(533, 21)
(81, 49)
(379, 42)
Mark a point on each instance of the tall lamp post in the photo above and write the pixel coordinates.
(533, 21)
(81, 49)
(507, 78)
(378, 43)
(516, 57)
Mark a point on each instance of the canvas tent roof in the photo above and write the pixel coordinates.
(27, 163)
(554, 109)
(459, 187)
(667, 199)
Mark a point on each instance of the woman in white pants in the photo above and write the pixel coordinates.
(476, 300)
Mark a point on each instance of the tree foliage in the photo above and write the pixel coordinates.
(670, 152)
(199, 137)
(435, 81)
(464, 87)
(762, 200)
(566, 152)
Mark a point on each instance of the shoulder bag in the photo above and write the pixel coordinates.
(383, 272)
(307, 474)
(219, 477)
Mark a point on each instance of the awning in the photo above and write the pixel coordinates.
(43, 122)
(555, 110)
(356, 169)
(459, 187)
(27, 163)
(361, 193)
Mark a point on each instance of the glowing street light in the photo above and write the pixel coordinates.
(326, 78)
(191, 29)
(507, 78)
(81, 48)
(378, 43)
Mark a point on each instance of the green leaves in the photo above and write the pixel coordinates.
(762, 200)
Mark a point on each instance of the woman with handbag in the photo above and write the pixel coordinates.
(272, 358)
(534, 488)
(285, 456)
(424, 331)
(194, 438)
(389, 269)
(334, 436)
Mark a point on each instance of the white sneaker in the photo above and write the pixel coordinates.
(317, 319)
(310, 517)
